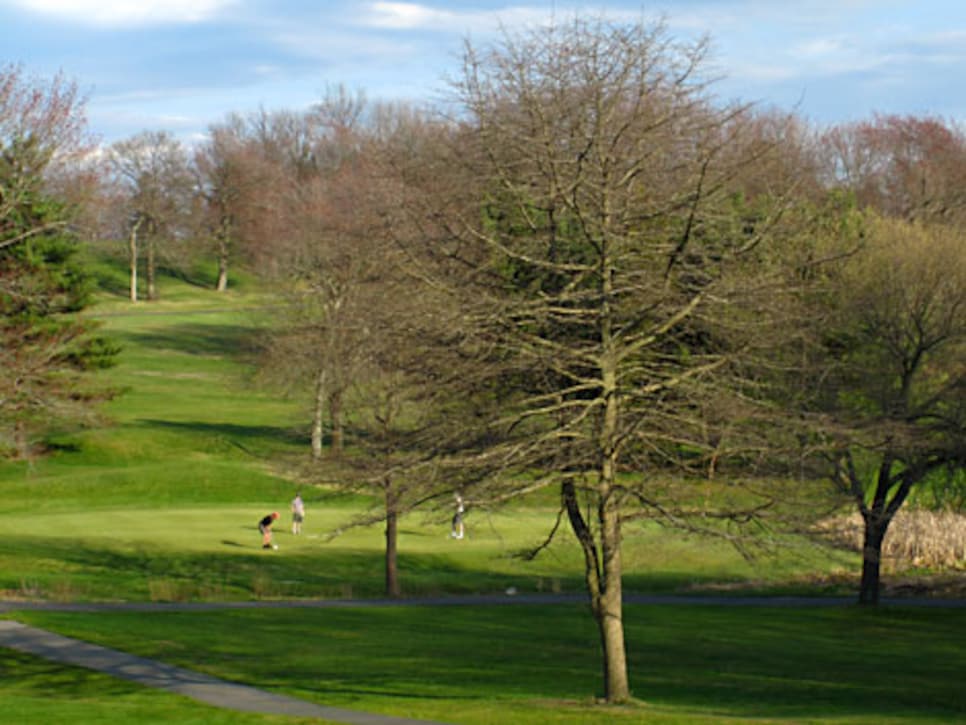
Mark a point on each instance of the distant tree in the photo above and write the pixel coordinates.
(226, 179)
(339, 333)
(909, 167)
(152, 169)
(389, 457)
(44, 346)
(321, 240)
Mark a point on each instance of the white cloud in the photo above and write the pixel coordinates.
(416, 16)
(127, 13)
(407, 16)
(835, 55)
(819, 47)
(322, 44)
(762, 72)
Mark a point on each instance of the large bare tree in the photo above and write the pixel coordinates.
(601, 280)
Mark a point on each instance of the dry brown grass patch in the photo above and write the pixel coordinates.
(916, 538)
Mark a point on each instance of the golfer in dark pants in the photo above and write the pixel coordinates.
(265, 526)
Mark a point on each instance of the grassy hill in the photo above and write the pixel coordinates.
(160, 501)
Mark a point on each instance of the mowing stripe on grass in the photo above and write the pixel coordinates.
(204, 688)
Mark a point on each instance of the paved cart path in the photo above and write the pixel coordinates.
(151, 673)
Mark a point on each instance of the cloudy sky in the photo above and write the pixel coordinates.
(182, 64)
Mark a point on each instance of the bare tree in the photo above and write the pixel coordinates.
(389, 457)
(228, 178)
(910, 167)
(152, 169)
(603, 282)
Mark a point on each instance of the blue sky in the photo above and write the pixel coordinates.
(180, 65)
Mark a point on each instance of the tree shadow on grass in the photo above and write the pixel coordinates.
(799, 663)
(737, 662)
(246, 438)
(703, 662)
(238, 342)
(38, 677)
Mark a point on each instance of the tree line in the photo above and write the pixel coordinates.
(582, 271)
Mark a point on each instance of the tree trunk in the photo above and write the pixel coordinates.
(151, 264)
(223, 237)
(610, 616)
(133, 247)
(603, 580)
(317, 415)
(874, 534)
(335, 416)
(222, 273)
(20, 441)
(392, 537)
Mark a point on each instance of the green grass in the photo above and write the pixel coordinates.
(34, 691)
(539, 664)
(211, 551)
(160, 502)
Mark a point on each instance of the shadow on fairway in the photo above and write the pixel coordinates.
(244, 437)
(194, 338)
(95, 570)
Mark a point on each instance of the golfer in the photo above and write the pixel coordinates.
(265, 526)
(457, 530)
(298, 514)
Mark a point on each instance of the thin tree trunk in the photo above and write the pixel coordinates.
(133, 246)
(317, 414)
(392, 543)
(223, 244)
(610, 617)
(20, 441)
(222, 273)
(335, 416)
(151, 264)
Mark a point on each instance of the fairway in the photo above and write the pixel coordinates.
(211, 552)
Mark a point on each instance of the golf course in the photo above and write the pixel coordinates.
(158, 502)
